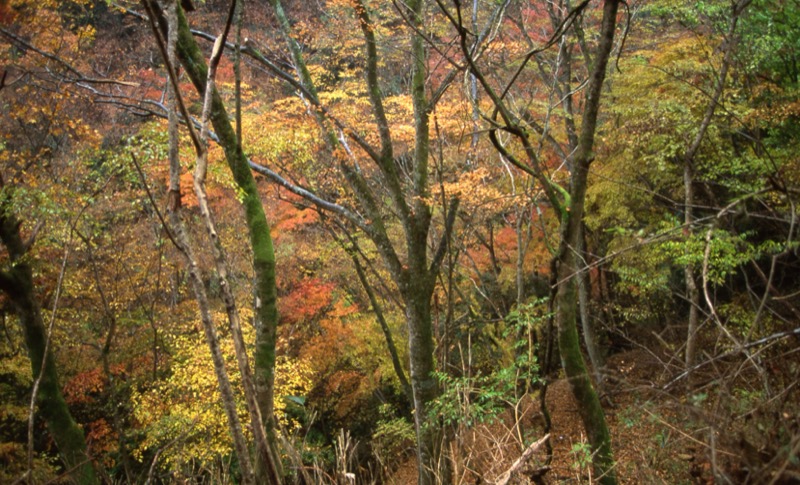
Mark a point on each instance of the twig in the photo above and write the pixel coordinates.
(505, 477)
(35, 392)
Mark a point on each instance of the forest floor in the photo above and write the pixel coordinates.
(657, 437)
(650, 442)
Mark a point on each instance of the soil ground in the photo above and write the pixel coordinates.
(658, 437)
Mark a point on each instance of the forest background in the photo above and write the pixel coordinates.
(443, 241)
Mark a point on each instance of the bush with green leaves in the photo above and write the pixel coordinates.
(478, 398)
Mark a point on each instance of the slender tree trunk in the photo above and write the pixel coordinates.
(226, 391)
(387, 333)
(415, 274)
(266, 312)
(17, 283)
(693, 293)
(473, 94)
(184, 245)
(570, 207)
(589, 334)
(572, 361)
(569, 347)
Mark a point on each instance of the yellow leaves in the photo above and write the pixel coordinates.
(293, 380)
(285, 134)
(476, 191)
(186, 406)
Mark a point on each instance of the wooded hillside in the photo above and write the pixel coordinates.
(417, 241)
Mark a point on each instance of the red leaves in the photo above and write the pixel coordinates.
(80, 388)
(306, 300)
(7, 14)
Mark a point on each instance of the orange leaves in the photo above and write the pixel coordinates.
(291, 218)
(340, 386)
(7, 14)
(188, 198)
(327, 348)
(306, 300)
(101, 438)
(79, 389)
(86, 386)
(477, 192)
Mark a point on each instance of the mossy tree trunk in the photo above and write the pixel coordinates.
(16, 281)
(265, 292)
(569, 204)
(266, 313)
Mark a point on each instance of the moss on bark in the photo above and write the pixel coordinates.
(17, 283)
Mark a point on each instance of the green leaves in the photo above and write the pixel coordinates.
(479, 398)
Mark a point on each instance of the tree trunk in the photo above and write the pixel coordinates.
(387, 333)
(589, 334)
(17, 283)
(692, 293)
(589, 406)
(226, 390)
(432, 465)
(266, 312)
(570, 207)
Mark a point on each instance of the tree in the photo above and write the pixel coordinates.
(17, 282)
(415, 274)
(568, 203)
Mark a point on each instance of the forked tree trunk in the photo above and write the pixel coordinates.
(415, 277)
(266, 311)
(572, 361)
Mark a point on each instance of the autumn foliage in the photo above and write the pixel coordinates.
(85, 171)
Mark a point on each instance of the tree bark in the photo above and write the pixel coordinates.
(266, 311)
(572, 361)
(17, 283)
(226, 391)
(692, 293)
